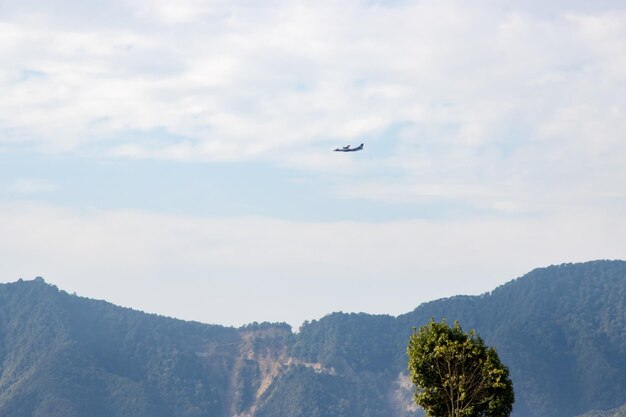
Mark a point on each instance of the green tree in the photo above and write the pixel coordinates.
(456, 374)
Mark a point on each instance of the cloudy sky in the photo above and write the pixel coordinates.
(175, 157)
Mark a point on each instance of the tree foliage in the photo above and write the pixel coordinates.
(560, 330)
(456, 374)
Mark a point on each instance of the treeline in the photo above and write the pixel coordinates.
(561, 331)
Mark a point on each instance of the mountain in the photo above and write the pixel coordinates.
(561, 330)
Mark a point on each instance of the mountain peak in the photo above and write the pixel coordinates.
(560, 330)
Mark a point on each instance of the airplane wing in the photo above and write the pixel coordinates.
(349, 149)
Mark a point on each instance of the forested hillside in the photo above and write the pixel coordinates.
(561, 330)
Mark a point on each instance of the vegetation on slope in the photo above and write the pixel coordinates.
(561, 331)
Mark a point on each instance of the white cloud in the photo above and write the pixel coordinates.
(513, 113)
(288, 74)
(170, 13)
(31, 186)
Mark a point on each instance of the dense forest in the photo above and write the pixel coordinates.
(561, 330)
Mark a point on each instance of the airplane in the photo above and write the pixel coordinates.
(348, 149)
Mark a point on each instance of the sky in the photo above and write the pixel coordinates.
(176, 157)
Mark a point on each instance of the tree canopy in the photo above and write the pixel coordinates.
(456, 374)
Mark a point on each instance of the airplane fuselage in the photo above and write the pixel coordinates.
(349, 149)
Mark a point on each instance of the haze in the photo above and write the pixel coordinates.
(176, 157)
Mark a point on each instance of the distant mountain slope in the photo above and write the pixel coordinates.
(68, 356)
(561, 330)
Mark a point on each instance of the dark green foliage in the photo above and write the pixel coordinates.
(303, 392)
(456, 374)
(246, 385)
(561, 331)
(68, 356)
(360, 342)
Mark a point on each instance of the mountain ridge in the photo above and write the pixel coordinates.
(61, 354)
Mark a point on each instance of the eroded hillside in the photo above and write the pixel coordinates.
(561, 330)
